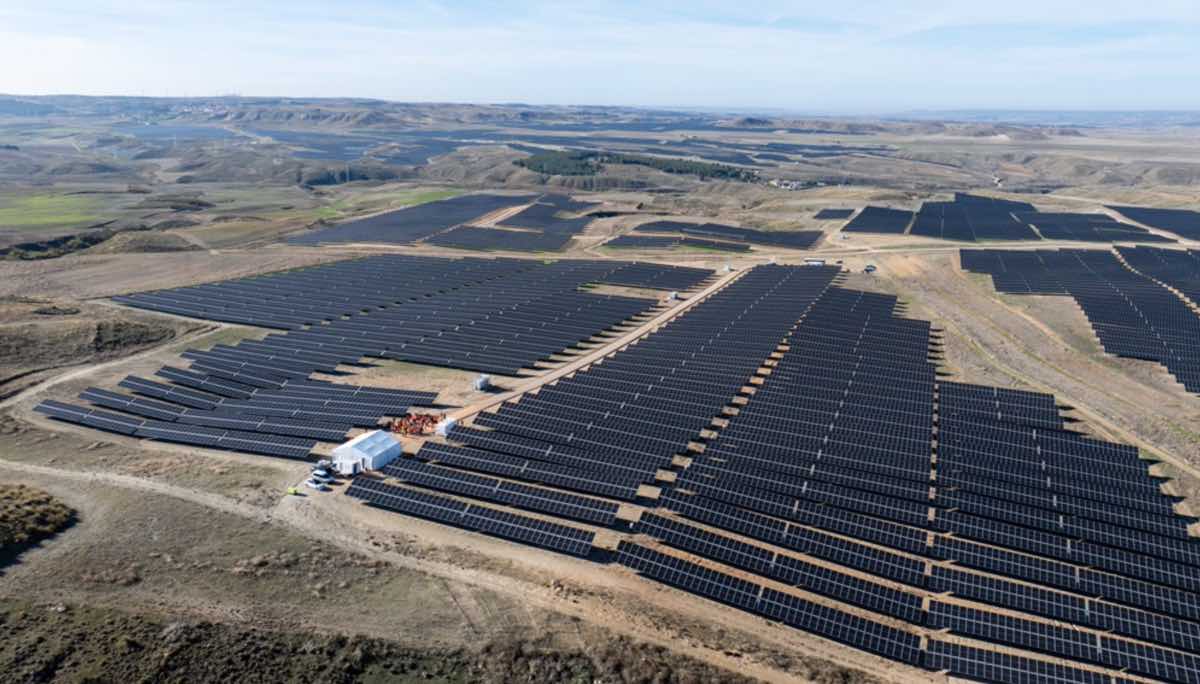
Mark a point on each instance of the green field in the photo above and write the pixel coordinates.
(47, 211)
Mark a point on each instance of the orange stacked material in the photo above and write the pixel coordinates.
(415, 424)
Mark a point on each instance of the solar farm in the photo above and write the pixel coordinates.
(775, 440)
(773, 427)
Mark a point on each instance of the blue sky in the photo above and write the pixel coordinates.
(867, 56)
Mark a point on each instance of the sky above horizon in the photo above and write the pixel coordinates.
(871, 56)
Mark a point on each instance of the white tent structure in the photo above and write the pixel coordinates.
(368, 451)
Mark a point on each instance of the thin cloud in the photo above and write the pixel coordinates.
(871, 56)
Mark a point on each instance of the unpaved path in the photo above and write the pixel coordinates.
(196, 496)
(599, 594)
(92, 369)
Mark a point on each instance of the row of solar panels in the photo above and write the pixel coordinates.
(972, 218)
(793, 610)
(816, 618)
(561, 538)
(543, 437)
(488, 315)
(540, 229)
(672, 242)
(194, 404)
(219, 438)
(1131, 313)
(792, 239)
(409, 225)
(904, 646)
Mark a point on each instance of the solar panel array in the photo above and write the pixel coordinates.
(1086, 228)
(286, 417)
(827, 479)
(538, 228)
(1176, 268)
(672, 242)
(490, 315)
(1129, 309)
(880, 220)
(972, 218)
(1182, 222)
(409, 225)
(792, 239)
(449, 510)
(657, 276)
(833, 214)
(259, 396)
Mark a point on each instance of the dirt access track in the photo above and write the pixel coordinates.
(177, 533)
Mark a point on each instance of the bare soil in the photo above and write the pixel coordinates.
(38, 336)
(71, 643)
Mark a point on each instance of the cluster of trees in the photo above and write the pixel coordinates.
(587, 163)
(562, 163)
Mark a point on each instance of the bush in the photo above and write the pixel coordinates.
(28, 515)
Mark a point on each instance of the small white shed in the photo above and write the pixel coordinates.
(368, 451)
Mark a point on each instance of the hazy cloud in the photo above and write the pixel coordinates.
(874, 55)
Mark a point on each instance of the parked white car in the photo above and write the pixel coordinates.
(319, 486)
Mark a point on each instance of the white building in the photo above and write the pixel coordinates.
(368, 451)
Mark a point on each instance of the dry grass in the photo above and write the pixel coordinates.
(28, 515)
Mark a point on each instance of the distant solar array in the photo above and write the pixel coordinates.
(1133, 315)
(1182, 222)
(1086, 228)
(880, 220)
(537, 228)
(495, 239)
(846, 490)
(672, 242)
(406, 226)
(496, 316)
(833, 214)
(793, 239)
(658, 276)
(972, 218)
